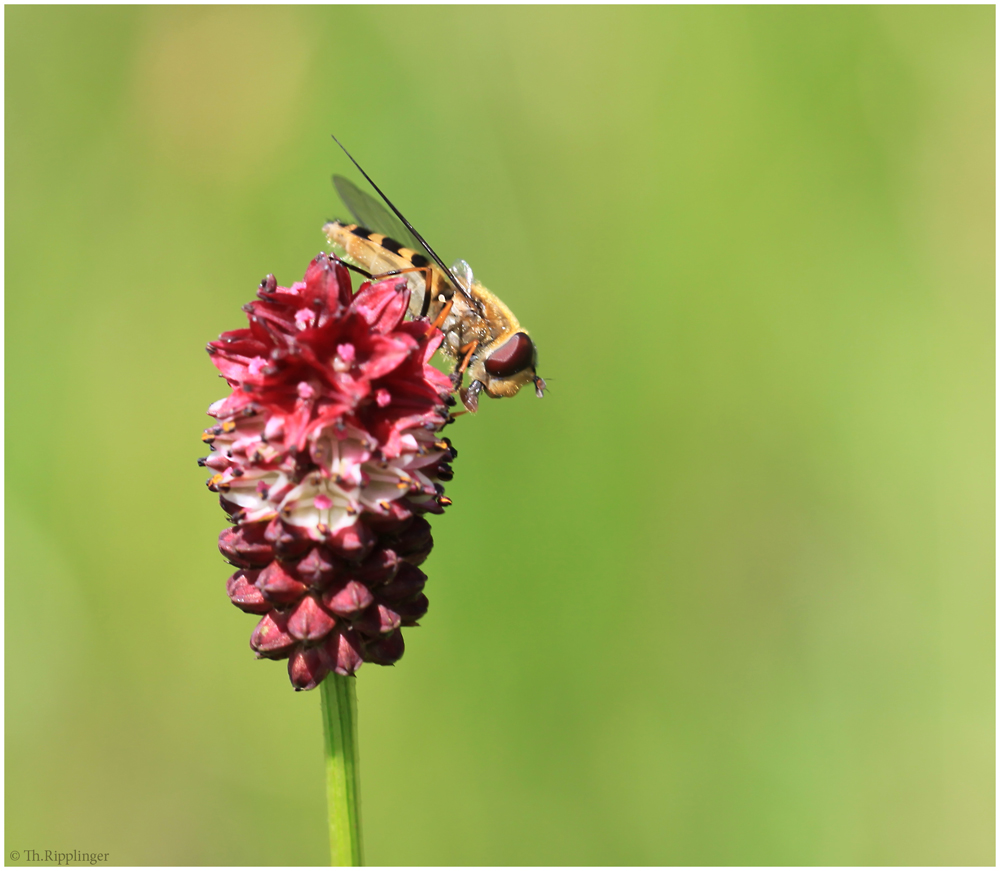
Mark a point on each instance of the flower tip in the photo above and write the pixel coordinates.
(306, 669)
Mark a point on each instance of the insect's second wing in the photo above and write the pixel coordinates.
(372, 215)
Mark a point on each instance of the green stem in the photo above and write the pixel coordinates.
(343, 794)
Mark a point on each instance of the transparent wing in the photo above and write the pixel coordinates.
(372, 215)
(463, 272)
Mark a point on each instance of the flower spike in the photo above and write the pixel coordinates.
(326, 456)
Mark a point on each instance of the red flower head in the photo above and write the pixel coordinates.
(326, 457)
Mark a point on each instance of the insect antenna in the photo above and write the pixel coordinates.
(409, 226)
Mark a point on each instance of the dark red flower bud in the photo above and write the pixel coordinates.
(408, 582)
(418, 557)
(271, 638)
(342, 652)
(414, 539)
(307, 668)
(245, 545)
(287, 545)
(350, 599)
(352, 543)
(378, 620)
(278, 585)
(317, 568)
(385, 651)
(412, 609)
(379, 567)
(309, 622)
(244, 595)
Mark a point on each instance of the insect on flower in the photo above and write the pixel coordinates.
(480, 333)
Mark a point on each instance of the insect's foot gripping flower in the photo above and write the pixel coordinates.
(326, 457)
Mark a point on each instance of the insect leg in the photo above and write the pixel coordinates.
(357, 269)
(468, 350)
(442, 317)
(392, 272)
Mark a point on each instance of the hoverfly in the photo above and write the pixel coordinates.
(480, 333)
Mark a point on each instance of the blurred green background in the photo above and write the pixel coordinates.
(724, 596)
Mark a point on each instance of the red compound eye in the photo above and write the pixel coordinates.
(513, 356)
